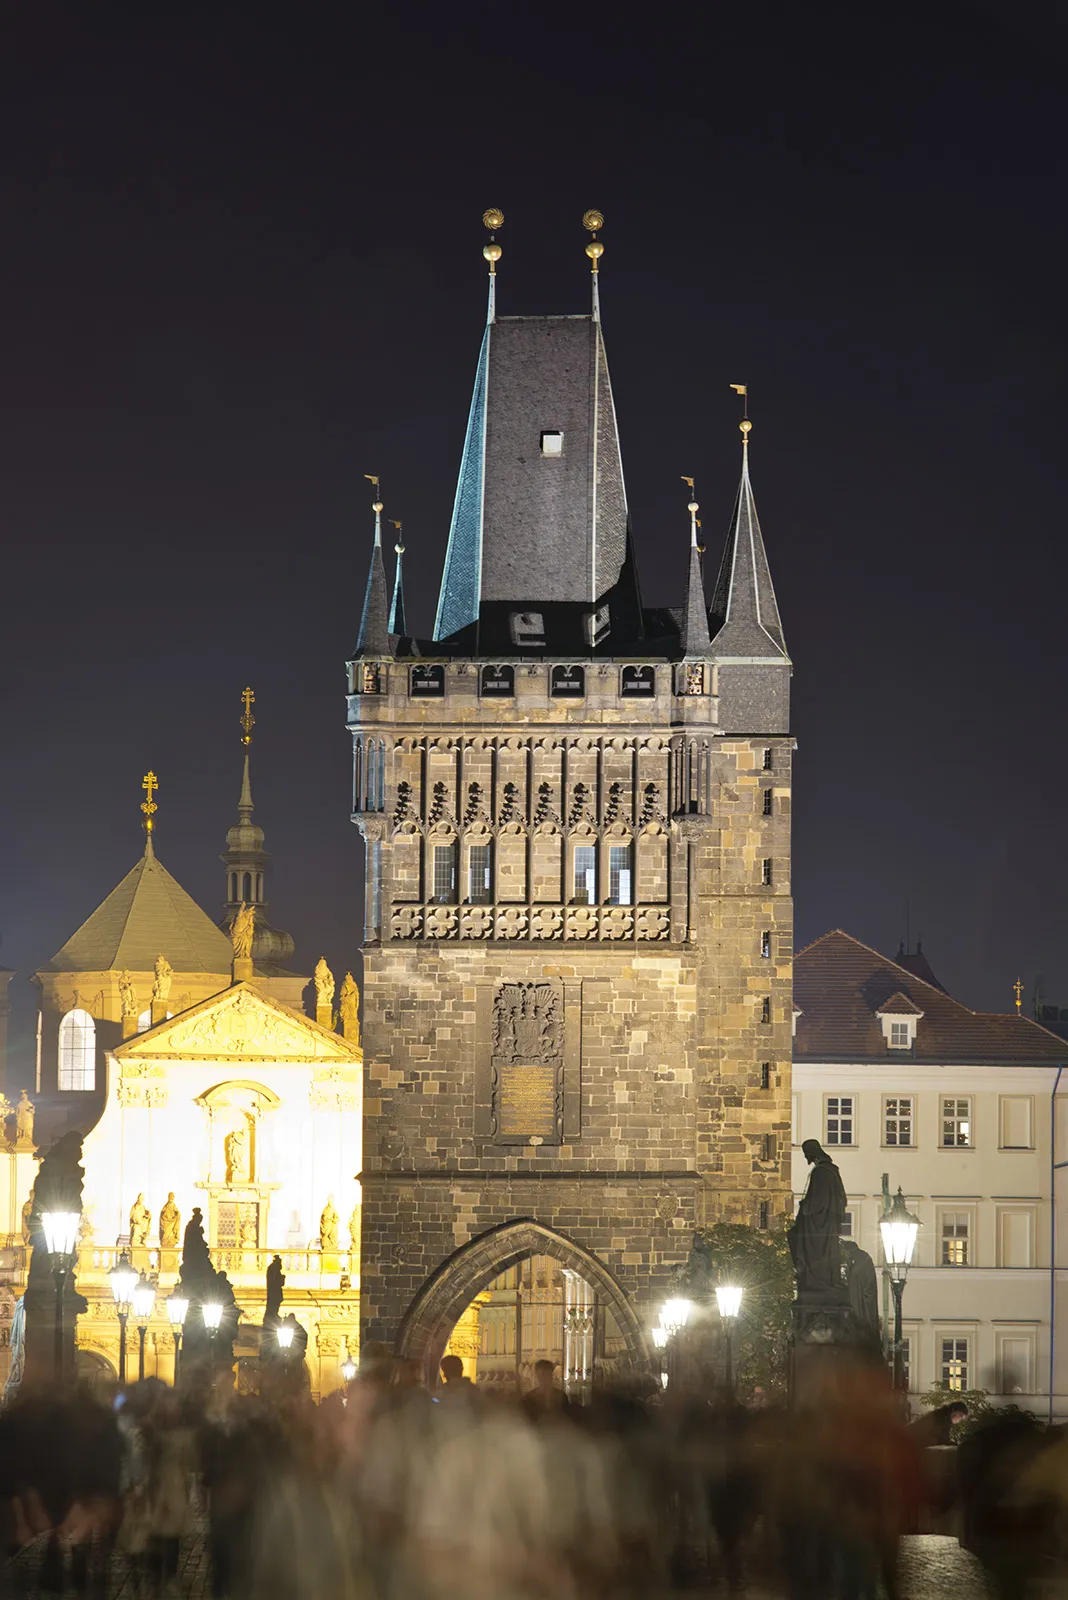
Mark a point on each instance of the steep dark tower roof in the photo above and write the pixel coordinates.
(374, 621)
(744, 613)
(694, 632)
(398, 625)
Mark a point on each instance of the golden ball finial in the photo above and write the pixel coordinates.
(377, 506)
(693, 507)
(493, 219)
(592, 220)
(595, 249)
(492, 252)
(399, 548)
(745, 425)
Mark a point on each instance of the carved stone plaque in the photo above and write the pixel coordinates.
(527, 1070)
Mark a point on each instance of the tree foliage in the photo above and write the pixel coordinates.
(759, 1261)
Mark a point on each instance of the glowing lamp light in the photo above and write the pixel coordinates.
(660, 1338)
(348, 1369)
(729, 1300)
(123, 1282)
(144, 1299)
(675, 1314)
(212, 1312)
(61, 1231)
(177, 1309)
(899, 1229)
(284, 1335)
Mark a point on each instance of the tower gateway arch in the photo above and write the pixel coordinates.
(578, 923)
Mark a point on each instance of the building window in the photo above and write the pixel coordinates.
(427, 683)
(552, 442)
(768, 758)
(953, 1367)
(637, 681)
(900, 1036)
(478, 874)
(765, 945)
(765, 1009)
(840, 1119)
(77, 1051)
(567, 682)
(1016, 1236)
(846, 1230)
(898, 1118)
(585, 880)
(769, 800)
(445, 873)
(619, 875)
(767, 1147)
(956, 1123)
(498, 682)
(765, 874)
(765, 1074)
(955, 1230)
(1015, 1116)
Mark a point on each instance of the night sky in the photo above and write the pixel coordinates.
(242, 267)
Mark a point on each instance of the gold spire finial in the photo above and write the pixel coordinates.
(399, 546)
(248, 721)
(1018, 988)
(377, 506)
(492, 219)
(693, 508)
(742, 390)
(592, 221)
(149, 783)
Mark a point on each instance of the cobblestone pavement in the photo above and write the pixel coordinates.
(932, 1567)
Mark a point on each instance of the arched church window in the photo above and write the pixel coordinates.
(427, 682)
(77, 1051)
(233, 886)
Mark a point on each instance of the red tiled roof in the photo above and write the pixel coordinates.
(899, 1005)
(840, 985)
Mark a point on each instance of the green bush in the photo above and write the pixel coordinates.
(759, 1261)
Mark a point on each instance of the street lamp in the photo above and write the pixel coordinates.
(899, 1229)
(212, 1311)
(729, 1300)
(674, 1315)
(61, 1241)
(284, 1334)
(348, 1369)
(123, 1282)
(144, 1303)
(177, 1308)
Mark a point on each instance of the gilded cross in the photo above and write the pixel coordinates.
(248, 721)
(1018, 987)
(149, 783)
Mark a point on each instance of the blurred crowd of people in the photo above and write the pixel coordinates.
(391, 1492)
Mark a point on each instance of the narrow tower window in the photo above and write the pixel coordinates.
(445, 873)
(765, 1074)
(619, 875)
(585, 882)
(769, 799)
(478, 874)
(765, 945)
(77, 1051)
(246, 887)
(765, 876)
(765, 1009)
(763, 1213)
(769, 756)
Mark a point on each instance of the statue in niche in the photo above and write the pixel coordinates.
(243, 931)
(238, 1155)
(169, 1222)
(349, 1006)
(813, 1237)
(161, 987)
(24, 1114)
(328, 1225)
(140, 1222)
(127, 998)
(324, 985)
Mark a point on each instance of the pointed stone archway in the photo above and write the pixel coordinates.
(439, 1304)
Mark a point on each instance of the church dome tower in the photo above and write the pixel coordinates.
(246, 866)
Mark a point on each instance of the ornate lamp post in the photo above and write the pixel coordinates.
(177, 1309)
(674, 1315)
(61, 1241)
(660, 1339)
(144, 1302)
(348, 1369)
(123, 1282)
(729, 1300)
(212, 1311)
(899, 1229)
(284, 1334)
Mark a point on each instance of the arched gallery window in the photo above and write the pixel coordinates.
(77, 1051)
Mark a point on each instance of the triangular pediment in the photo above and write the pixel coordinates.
(240, 1024)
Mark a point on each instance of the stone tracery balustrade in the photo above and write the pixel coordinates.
(512, 922)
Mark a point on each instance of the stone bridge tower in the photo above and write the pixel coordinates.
(577, 981)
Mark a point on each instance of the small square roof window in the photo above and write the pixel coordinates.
(552, 443)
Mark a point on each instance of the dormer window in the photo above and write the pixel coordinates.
(899, 1017)
(528, 629)
(552, 442)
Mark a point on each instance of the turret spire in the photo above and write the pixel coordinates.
(492, 219)
(695, 617)
(744, 612)
(398, 626)
(374, 621)
(246, 860)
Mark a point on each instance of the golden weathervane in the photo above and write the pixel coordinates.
(248, 721)
(592, 221)
(149, 783)
(492, 219)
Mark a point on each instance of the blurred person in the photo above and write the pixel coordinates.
(936, 1426)
(171, 1462)
(545, 1399)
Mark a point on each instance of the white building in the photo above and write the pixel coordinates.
(960, 1109)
